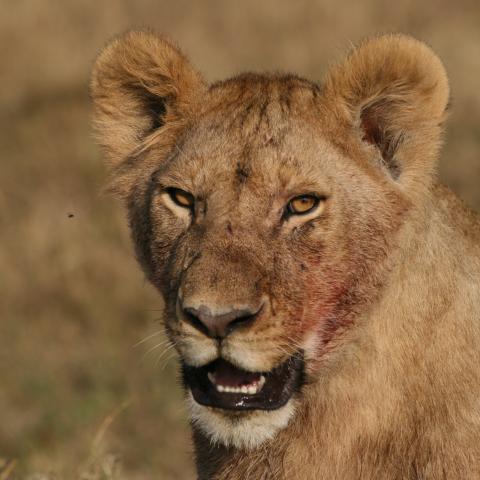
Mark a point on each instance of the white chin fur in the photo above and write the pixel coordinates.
(245, 430)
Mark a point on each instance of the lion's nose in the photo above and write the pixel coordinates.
(219, 325)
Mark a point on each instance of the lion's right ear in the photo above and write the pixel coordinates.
(142, 86)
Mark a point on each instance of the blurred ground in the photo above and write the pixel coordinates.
(73, 303)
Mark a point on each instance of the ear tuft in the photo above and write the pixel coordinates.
(140, 82)
(395, 91)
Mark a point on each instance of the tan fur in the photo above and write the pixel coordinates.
(379, 289)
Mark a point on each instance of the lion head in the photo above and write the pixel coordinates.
(265, 209)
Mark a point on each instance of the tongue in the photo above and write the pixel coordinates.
(228, 375)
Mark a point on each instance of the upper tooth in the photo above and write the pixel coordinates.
(211, 377)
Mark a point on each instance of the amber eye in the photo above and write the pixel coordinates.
(181, 197)
(302, 204)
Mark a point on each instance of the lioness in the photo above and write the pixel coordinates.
(321, 286)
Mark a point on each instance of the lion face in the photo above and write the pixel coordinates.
(263, 216)
(255, 249)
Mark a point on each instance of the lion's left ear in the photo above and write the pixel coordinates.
(393, 92)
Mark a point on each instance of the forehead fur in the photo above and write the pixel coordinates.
(263, 126)
(257, 103)
(252, 112)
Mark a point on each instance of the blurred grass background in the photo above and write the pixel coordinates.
(73, 303)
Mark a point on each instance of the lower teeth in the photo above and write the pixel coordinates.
(247, 389)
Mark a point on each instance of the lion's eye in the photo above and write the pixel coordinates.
(302, 204)
(181, 197)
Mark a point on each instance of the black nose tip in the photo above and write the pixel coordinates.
(219, 325)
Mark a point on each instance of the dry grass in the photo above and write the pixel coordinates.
(73, 302)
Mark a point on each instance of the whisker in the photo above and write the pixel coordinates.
(165, 361)
(148, 337)
(158, 345)
(164, 353)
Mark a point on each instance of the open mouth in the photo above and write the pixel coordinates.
(221, 384)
